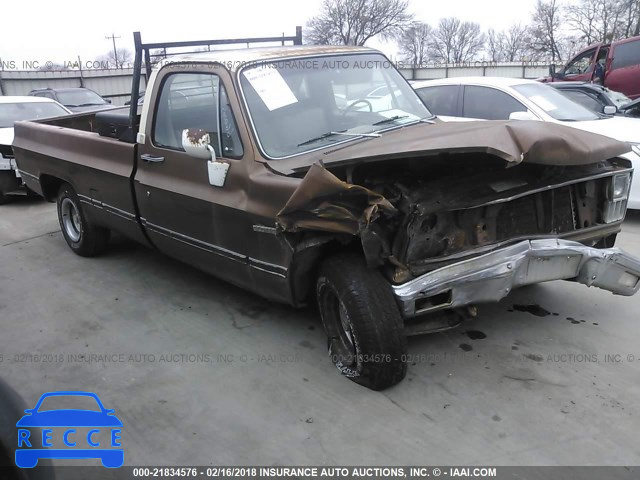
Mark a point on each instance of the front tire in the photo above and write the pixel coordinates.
(82, 236)
(362, 322)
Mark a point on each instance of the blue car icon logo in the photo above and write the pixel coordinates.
(69, 433)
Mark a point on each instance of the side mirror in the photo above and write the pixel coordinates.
(108, 100)
(197, 143)
(609, 110)
(522, 116)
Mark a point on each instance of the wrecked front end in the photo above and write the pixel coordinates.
(454, 228)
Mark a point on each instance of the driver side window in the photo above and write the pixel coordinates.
(194, 100)
(580, 64)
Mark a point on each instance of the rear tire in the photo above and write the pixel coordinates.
(362, 322)
(82, 236)
(8, 183)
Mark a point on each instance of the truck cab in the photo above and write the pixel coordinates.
(618, 66)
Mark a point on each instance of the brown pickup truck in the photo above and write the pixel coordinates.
(276, 170)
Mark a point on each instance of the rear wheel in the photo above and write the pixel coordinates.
(82, 236)
(362, 322)
(8, 183)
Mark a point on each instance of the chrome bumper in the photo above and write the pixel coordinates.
(490, 277)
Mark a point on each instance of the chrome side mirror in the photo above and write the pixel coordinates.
(197, 143)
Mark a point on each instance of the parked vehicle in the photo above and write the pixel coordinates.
(620, 62)
(12, 109)
(396, 223)
(77, 99)
(597, 98)
(494, 98)
(140, 100)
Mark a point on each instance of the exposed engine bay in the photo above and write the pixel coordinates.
(419, 216)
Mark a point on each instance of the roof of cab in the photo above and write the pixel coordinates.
(236, 58)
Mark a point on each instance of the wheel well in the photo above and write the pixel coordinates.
(307, 262)
(50, 186)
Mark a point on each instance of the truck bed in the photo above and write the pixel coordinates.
(100, 168)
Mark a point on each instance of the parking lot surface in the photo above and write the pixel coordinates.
(201, 372)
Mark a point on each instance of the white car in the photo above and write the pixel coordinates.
(13, 109)
(497, 98)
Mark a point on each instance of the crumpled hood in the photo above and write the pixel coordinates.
(514, 141)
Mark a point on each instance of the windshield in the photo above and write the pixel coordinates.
(554, 103)
(299, 105)
(12, 112)
(76, 98)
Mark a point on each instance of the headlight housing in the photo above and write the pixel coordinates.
(620, 186)
(617, 195)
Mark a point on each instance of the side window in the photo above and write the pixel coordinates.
(580, 64)
(440, 100)
(626, 54)
(195, 100)
(584, 99)
(489, 104)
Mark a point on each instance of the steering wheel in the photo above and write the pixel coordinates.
(362, 100)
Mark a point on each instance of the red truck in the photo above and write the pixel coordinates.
(620, 61)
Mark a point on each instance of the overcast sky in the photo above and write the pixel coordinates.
(62, 30)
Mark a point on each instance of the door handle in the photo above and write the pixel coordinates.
(151, 158)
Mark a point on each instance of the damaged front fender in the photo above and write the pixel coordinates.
(325, 203)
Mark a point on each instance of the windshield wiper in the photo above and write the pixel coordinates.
(390, 119)
(89, 104)
(331, 134)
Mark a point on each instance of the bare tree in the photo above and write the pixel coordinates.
(631, 17)
(545, 37)
(508, 45)
(353, 22)
(124, 57)
(455, 41)
(603, 20)
(414, 43)
(495, 45)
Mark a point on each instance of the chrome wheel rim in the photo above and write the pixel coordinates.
(71, 220)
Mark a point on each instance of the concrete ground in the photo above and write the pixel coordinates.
(201, 372)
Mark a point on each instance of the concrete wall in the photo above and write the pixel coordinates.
(114, 84)
(511, 70)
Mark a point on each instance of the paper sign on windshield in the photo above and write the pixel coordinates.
(270, 86)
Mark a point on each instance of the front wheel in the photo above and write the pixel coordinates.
(82, 236)
(362, 322)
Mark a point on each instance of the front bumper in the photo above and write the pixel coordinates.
(490, 277)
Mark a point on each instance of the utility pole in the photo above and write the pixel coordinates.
(115, 50)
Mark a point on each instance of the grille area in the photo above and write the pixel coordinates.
(545, 212)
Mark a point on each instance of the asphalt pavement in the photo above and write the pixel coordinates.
(201, 372)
